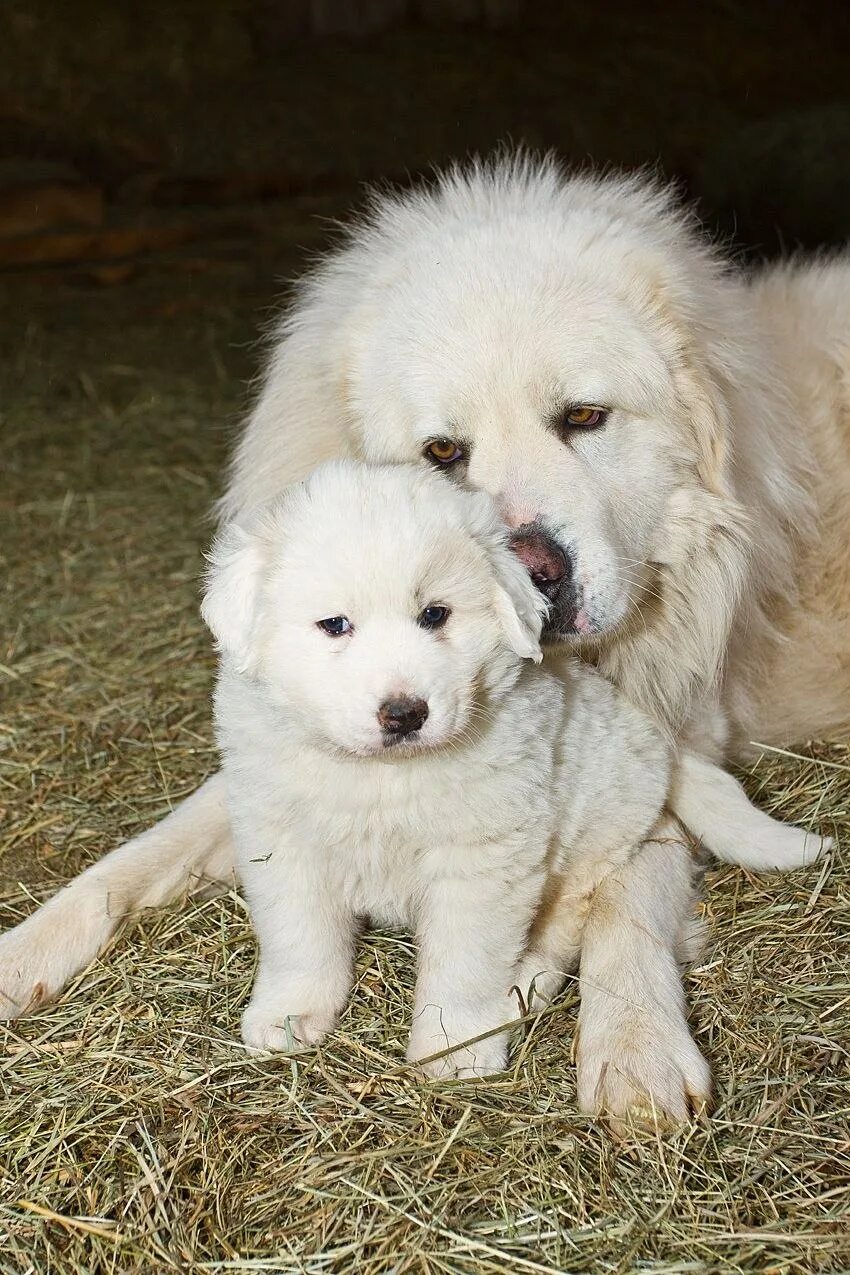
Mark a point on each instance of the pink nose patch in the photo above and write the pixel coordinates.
(544, 561)
(515, 516)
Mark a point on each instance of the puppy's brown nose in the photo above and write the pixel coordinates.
(402, 716)
(543, 559)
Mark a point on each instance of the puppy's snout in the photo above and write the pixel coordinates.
(402, 716)
(546, 562)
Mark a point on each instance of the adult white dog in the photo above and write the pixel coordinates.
(390, 752)
(671, 441)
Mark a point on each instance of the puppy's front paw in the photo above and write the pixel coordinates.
(636, 1072)
(483, 1058)
(435, 1032)
(271, 1026)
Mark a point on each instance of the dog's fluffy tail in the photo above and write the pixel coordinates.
(714, 808)
(187, 852)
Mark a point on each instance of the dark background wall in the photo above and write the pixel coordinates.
(161, 120)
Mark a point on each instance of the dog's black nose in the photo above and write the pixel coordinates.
(544, 560)
(402, 716)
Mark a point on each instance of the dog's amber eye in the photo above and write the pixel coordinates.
(335, 625)
(443, 451)
(583, 417)
(433, 617)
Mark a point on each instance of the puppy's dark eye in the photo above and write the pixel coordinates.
(583, 416)
(335, 625)
(433, 617)
(443, 452)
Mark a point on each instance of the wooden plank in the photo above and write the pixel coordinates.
(29, 207)
(105, 245)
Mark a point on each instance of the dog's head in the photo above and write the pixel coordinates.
(556, 344)
(379, 605)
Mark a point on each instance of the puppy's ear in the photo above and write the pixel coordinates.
(233, 576)
(520, 607)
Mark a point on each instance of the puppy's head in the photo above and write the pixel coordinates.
(380, 606)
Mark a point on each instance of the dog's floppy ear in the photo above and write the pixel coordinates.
(520, 607)
(700, 391)
(233, 577)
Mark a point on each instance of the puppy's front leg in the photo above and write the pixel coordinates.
(306, 935)
(636, 1058)
(472, 931)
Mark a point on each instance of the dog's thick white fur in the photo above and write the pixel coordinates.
(705, 517)
(502, 825)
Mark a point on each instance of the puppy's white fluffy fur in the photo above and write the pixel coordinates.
(707, 520)
(504, 828)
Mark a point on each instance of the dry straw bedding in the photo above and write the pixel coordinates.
(136, 1133)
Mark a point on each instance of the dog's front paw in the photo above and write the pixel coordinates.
(20, 992)
(272, 1026)
(453, 1039)
(35, 963)
(636, 1072)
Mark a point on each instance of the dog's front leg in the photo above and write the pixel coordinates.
(635, 1056)
(472, 930)
(306, 934)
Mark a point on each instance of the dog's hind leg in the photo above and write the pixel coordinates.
(186, 852)
(636, 1060)
(715, 809)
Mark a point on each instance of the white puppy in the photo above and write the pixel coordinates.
(391, 753)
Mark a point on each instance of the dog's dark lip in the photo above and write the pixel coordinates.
(561, 631)
(398, 741)
(561, 618)
(412, 745)
(384, 750)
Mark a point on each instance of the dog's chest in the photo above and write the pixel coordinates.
(389, 834)
(382, 878)
(388, 831)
